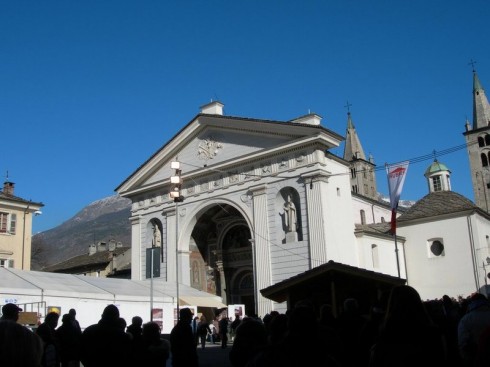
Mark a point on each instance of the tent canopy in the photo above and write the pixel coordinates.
(13, 281)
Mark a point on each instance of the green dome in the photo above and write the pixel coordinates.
(435, 167)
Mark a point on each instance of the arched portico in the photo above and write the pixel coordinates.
(218, 238)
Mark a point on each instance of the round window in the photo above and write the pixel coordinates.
(437, 248)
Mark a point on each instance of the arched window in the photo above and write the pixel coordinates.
(481, 142)
(375, 255)
(353, 173)
(363, 216)
(484, 160)
(487, 139)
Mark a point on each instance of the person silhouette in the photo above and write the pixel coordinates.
(408, 335)
(69, 338)
(182, 341)
(19, 346)
(73, 313)
(10, 311)
(104, 343)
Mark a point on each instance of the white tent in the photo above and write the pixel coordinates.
(41, 291)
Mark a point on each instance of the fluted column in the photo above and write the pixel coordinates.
(262, 264)
(316, 204)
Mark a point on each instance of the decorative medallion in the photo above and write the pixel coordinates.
(208, 148)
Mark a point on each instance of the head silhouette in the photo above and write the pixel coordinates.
(111, 313)
(10, 311)
(186, 314)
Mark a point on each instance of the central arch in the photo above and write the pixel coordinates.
(221, 255)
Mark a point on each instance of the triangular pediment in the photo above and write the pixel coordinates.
(214, 140)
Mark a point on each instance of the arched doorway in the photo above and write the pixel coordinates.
(222, 240)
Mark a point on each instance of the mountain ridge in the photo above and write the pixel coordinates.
(101, 220)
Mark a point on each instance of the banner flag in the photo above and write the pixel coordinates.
(396, 177)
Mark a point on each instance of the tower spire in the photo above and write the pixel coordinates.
(353, 148)
(362, 175)
(481, 107)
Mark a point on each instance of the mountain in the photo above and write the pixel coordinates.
(102, 220)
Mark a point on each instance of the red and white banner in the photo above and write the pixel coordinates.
(396, 177)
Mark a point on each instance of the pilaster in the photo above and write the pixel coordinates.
(261, 248)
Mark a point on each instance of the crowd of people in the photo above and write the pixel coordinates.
(400, 330)
(110, 342)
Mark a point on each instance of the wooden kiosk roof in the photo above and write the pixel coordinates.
(332, 283)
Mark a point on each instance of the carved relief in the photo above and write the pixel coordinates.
(301, 157)
(209, 148)
(284, 164)
(265, 168)
(249, 174)
(191, 189)
(218, 182)
(234, 177)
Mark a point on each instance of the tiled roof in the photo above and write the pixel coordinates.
(97, 261)
(377, 228)
(436, 204)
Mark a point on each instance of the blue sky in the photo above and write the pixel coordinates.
(90, 89)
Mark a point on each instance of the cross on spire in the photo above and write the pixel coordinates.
(472, 63)
(347, 106)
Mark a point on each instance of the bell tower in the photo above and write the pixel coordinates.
(478, 143)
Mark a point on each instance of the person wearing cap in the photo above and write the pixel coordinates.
(182, 341)
(10, 312)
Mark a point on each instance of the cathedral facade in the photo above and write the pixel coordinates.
(260, 201)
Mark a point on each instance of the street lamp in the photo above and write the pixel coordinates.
(175, 193)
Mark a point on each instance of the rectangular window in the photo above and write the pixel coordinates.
(3, 222)
(4, 263)
(436, 182)
(13, 223)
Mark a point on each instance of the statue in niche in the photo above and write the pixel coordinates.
(290, 215)
(157, 236)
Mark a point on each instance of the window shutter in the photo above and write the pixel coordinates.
(13, 223)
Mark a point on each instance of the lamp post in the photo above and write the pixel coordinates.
(175, 193)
